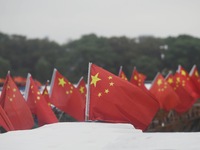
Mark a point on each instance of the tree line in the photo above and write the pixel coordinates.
(148, 54)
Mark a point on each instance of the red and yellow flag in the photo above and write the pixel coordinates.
(185, 81)
(195, 78)
(122, 74)
(15, 106)
(164, 93)
(113, 99)
(186, 99)
(81, 86)
(38, 104)
(138, 79)
(66, 97)
(5, 121)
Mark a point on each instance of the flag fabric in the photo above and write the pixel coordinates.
(4, 121)
(45, 94)
(38, 104)
(15, 106)
(112, 99)
(186, 99)
(81, 86)
(185, 80)
(122, 74)
(164, 93)
(138, 79)
(66, 97)
(195, 78)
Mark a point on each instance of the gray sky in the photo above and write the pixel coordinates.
(61, 20)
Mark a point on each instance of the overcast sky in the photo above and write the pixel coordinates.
(61, 20)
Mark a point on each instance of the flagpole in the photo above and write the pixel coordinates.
(88, 94)
(52, 81)
(26, 91)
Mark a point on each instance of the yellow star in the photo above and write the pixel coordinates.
(61, 82)
(81, 89)
(196, 74)
(135, 77)
(159, 82)
(111, 83)
(106, 91)
(183, 72)
(110, 77)
(100, 94)
(170, 80)
(95, 79)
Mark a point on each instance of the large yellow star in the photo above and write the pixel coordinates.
(170, 80)
(159, 82)
(183, 72)
(95, 79)
(61, 82)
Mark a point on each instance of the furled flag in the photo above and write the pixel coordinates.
(112, 99)
(164, 93)
(138, 79)
(122, 74)
(38, 104)
(81, 86)
(186, 99)
(15, 106)
(66, 97)
(186, 82)
(194, 75)
(4, 121)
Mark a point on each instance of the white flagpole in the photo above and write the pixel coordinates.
(88, 94)
(192, 70)
(52, 82)
(79, 81)
(120, 70)
(26, 91)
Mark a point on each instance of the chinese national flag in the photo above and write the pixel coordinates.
(186, 82)
(122, 74)
(15, 106)
(38, 104)
(66, 97)
(113, 99)
(138, 79)
(4, 121)
(45, 94)
(186, 99)
(194, 75)
(81, 86)
(164, 93)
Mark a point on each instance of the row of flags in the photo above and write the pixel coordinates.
(105, 97)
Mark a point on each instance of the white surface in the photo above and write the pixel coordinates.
(96, 136)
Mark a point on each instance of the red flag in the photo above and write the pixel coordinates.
(113, 99)
(195, 78)
(165, 94)
(138, 79)
(45, 94)
(81, 86)
(185, 81)
(66, 97)
(4, 121)
(15, 106)
(186, 99)
(122, 74)
(38, 104)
